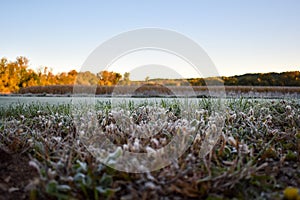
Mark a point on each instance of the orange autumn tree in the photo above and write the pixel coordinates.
(15, 75)
(108, 78)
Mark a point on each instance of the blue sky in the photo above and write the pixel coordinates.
(239, 36)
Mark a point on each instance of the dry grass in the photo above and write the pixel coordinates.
(161, 90)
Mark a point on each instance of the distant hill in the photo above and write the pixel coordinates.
(257, 79)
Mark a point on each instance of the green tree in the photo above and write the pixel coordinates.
(126, 78)
(86, 78)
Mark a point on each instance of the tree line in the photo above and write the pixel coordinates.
(256, 79)
(16, 74)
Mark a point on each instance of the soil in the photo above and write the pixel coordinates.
(15, 175)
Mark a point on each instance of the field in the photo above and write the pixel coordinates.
(154, 90)
(236, 148)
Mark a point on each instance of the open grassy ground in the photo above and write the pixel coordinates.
(242, 148)
(163, 90)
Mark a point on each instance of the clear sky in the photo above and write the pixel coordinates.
(239, 36)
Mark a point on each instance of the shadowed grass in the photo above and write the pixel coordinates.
(255, 156)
